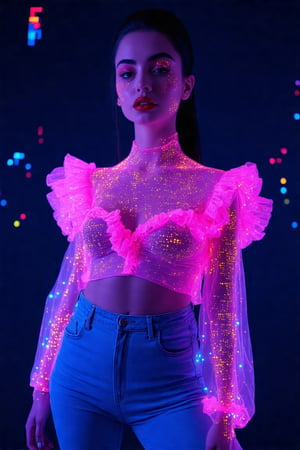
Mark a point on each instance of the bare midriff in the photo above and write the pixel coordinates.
(133, 295)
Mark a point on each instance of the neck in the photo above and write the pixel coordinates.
(167, 153)
(149, 137)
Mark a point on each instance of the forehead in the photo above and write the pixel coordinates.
(139, 45)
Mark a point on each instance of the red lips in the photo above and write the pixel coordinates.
(144, 103)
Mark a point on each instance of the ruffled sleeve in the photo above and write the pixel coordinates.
(238, 216)
(254, 211)
(71, 196)
(71, 200)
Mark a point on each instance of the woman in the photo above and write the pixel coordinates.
(149, 237)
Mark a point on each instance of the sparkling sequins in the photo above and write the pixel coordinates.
(166, 219)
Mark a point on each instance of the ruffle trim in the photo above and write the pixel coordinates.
(72, 202)
(239, 413)
(127, 243)
(254, 211)
(71, 197)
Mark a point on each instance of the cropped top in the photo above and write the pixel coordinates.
(182, 226)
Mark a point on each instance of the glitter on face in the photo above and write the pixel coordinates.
(138, 74)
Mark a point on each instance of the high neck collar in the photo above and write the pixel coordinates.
(168, 153)
(165, 141)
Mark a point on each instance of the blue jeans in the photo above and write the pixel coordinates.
(115, 369)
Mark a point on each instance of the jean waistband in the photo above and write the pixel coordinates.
(135, 322)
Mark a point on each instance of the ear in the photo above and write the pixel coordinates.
(189, 83)
(118, 102)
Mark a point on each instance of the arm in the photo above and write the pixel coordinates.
(71, 199)
(225, 339)
(238, 216)
(58, 309)
(221, 312)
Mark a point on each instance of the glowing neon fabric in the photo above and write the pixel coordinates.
(182, 226)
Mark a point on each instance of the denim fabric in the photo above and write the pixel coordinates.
(115, 369)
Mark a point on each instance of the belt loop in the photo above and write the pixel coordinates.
(150, 328)
(89, 320)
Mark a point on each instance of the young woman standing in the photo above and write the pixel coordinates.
(149, 238)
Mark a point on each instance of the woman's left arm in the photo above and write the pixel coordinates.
(238, 216)
(220, 305)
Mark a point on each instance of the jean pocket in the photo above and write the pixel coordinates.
(75, 327)
(177, 340)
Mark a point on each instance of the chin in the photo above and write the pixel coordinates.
(149, 118)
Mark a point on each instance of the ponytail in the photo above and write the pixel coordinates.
(188, 128)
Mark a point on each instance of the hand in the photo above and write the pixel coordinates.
(221, 437)
(36, 438)
(216, 438)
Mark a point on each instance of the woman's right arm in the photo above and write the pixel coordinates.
(71, 198)
(58, 310)
(36, 437)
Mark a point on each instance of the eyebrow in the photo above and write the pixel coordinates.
(151, 58)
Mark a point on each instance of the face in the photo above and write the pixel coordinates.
(149, 80)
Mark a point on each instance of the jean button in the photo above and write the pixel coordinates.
(123, 322)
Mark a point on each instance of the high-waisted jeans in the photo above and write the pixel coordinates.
(115, 369)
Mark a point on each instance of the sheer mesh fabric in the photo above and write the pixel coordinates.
(182, 226)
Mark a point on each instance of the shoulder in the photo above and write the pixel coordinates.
(71, 193)
(104, 173)
(199, 174)
(243, 185)
(73, 186)
(76, 170)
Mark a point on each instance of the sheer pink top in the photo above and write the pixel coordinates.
(183, 228)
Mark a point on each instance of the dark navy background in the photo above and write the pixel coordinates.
(247, 59)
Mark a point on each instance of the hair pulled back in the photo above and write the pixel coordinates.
(167, 23)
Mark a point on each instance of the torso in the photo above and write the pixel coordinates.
(140, 194)
(132, 295)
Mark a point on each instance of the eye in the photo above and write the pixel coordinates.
(161, 70)
(126, 75)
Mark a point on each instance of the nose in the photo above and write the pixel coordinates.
(143, 88)
(143, 84)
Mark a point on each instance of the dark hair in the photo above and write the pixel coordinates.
(167, 23)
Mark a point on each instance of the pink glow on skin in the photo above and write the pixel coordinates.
(161, 79)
